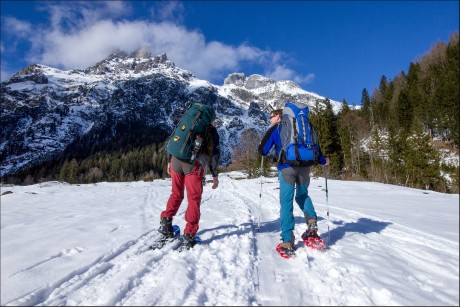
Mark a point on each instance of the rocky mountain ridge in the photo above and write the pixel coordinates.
(44, 109)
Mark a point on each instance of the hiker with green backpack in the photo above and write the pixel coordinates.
(296, 145)
(192, 147)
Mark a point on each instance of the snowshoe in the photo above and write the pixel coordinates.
(312, 240)
(285, 252)
(165, 239)
(189, 242)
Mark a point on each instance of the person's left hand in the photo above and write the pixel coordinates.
(215, 182)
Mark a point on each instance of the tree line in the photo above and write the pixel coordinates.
(146, 163)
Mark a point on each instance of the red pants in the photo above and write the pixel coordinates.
(194, 186)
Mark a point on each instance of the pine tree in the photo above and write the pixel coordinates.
(422, 166)
(414, 95)
(366, 107)
(64, 171)
(382, 102)
(326, 124)
(404, 111)
(377, 157)
(73, 171)
(396, 148)
(449, 88)
(345, 132)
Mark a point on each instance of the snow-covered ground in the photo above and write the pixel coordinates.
(67, 244)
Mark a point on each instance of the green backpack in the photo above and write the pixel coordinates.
(185, 141)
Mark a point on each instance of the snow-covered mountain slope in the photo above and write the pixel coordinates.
(44, 109)
(266, 92)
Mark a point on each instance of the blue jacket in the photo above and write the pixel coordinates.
(272, 138)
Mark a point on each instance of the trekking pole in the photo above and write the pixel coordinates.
(327, 204)
(260, 202)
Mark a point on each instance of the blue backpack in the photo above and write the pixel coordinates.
(298, 136)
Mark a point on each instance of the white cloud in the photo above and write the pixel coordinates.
(281, 72)
(81, 34)
(188, 49)
(88, 46)
(20, 28)
(168, 11)
(304, 79)
(75, 15)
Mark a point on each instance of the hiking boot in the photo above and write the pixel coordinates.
(287, 245)
(287, 248)
(312, 230)
(188, 242)
(166, 227)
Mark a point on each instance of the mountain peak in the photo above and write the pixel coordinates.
(258, 81)
(33, 72)
(141, 53)
(235, 78)
(252, 82)
(117, 53)
(30, 69)
(138, 61)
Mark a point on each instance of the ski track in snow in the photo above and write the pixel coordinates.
(127, 274)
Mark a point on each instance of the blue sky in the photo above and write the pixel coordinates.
(332, 48)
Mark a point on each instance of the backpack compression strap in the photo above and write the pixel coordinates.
(190, 131)
(296, 139)
(304, 131)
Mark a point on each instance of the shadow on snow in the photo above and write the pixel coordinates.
(362, 226)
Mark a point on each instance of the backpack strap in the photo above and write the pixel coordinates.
(283, 146)
(296, 139)
(304, 130)
(170, 136)
(190, 130)
(314, 140)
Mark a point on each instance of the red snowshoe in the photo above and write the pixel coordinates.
(314, 241)
(285, 253)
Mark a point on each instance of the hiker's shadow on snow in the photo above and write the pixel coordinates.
(237, 230)
(362, 226)
(265, 227)
(275, 225)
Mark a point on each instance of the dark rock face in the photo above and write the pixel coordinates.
(46, 111)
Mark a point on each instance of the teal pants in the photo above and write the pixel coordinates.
(294, 180)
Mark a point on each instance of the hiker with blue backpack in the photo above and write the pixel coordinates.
(296, 145)
(192, 147)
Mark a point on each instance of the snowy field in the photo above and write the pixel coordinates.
(87, 245)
